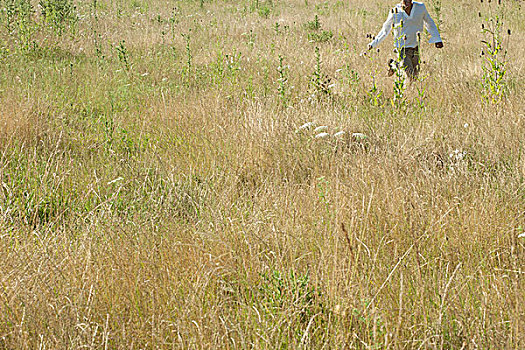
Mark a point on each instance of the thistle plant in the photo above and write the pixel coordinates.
(283, 80)
(399, 84)
(493, 55)
(123, 55)
(173, 21)
(59, 14)
(374, 93)
(315, 24)
(233, 63)
(316, 76)
(250, 36)
(17, 17)
(421, 92)
(352, 77)
(320, 81)
(14, 11)
(189, 57)
(320, 37)
(94, 10)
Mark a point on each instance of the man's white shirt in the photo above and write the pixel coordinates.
(407, 26)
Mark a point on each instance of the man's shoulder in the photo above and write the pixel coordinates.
(419, 6)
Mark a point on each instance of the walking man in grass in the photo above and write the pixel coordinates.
(407, 19)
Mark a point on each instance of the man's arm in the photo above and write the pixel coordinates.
(431, 27)
(387, 27)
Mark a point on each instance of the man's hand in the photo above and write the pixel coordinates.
(439, 45)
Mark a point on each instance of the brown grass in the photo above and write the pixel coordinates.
(161, 208)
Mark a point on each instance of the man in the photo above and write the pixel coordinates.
(407, 19)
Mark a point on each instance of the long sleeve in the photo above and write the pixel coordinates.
(431, 27)
(387, 27)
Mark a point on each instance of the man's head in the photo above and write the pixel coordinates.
(407, 3)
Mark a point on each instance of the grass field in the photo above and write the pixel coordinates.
(157, 191)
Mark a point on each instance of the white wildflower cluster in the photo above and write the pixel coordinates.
(457, 155)
(324, 132)
(457, 161)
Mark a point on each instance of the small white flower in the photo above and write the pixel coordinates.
(457, 155)
(321, 128)
(466, 125)
(521, 235)
(322, 135)
(306, 126)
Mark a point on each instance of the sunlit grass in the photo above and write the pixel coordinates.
(199, 175)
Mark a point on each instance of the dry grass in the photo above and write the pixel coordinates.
(167, 205)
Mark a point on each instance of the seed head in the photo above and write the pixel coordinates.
(306, 126)
(322, 135)
(508, 31)
(322, 128)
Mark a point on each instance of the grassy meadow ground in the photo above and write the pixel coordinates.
(155, 192)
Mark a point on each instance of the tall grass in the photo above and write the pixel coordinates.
(155, 191)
